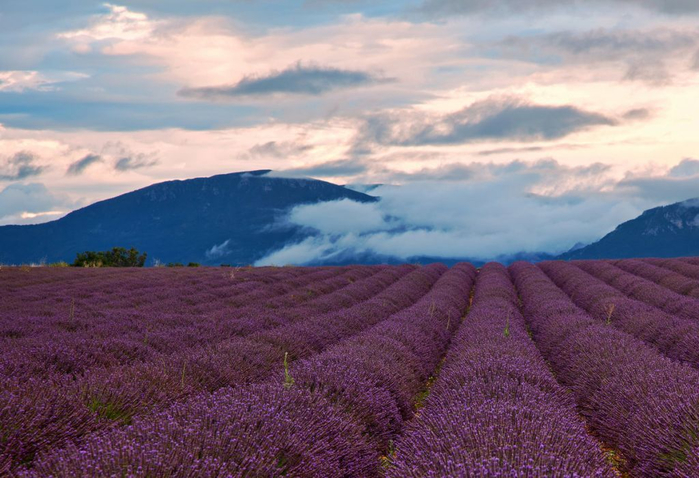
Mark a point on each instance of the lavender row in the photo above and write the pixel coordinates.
(684, 267)
(101, 308)
(98, 303)
(641, 289)
(102, 304)
(377, 374)
(669, 279)
(97, 306)
(172, 348)
(330, 416)
(496, 409)
(106, 396)
(678, 338)
(284, 288)
(64, 407)
(53, 414)
(17, 278)
(77, 351)
(642, 404)
(208, 333)
(125, 285)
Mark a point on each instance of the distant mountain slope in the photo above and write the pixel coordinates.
(227, 218)
(667, 231)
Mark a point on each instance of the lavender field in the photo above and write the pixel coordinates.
(560, 369)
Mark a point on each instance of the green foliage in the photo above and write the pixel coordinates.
(117, 257)
(610, 312)
(193, 264)
(387, 459)
(506, 333)
(59, 264)
(175, 264)
(288, 379)
(110, 411)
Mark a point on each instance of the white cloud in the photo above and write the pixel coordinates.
(218, 250)
(339, 217)
(31, 203)
(499, 210)
(205, 50)
(119, 23)
(21, 80)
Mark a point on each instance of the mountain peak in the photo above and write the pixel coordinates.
(664, 231)
(234, 218)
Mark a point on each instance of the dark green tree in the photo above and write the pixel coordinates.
(117, 257)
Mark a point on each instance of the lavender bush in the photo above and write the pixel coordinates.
(360, 371)
(367, 381)
(678, 338)
(640, 403)
(496, 409)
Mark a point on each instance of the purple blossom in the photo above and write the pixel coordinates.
(638, 401)
(496, 409)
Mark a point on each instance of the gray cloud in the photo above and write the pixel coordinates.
(546, 171)
(643, 54)
(648, 71)
(20, 166)
(638, 114)
(468, 7)
(662, 190)
(125, 159)
(277, 149)
(363, 169)
(137, 161)
(79, 166)
(34, 198)
(493, 119)
(340, 167)
(688, 167)
(447, 172)
(526, 149)
(695, 61)
(608, 44)
(478, 210)
(295, 80)
(482, 211)
(534, 149)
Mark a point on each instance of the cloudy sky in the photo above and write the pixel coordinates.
(497, 126)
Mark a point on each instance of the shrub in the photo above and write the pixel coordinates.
(117, 257)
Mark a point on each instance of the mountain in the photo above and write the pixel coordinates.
(236, 219)
(667, 231)
(229, 218)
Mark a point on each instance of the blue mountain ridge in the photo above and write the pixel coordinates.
(665, 231)
(237, 219)
(228, 218)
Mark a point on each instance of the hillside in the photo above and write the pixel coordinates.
(666, 231)
(227, 218)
